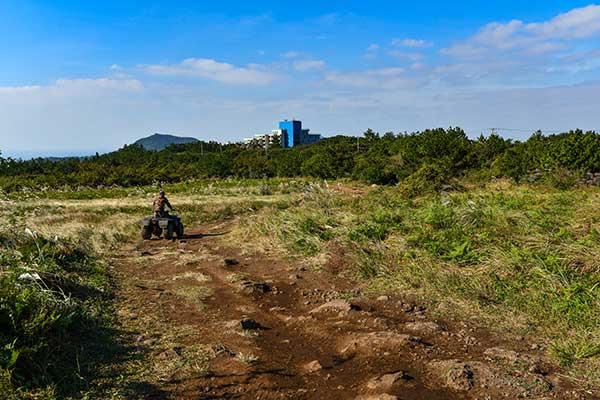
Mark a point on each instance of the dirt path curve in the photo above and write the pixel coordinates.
(218, 324)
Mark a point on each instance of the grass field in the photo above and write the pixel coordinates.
(519, 259)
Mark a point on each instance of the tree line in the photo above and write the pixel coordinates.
(432, 155)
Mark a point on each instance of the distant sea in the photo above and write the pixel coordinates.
(28, 155)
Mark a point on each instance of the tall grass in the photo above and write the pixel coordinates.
(53, 296)
(523, 257)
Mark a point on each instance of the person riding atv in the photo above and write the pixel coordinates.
(159, 205)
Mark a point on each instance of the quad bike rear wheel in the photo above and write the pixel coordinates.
(147, 232)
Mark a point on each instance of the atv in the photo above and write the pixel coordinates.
(169, 224)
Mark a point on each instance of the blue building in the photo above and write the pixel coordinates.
(292, 134)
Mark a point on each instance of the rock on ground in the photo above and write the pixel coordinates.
(312, 367)
(384, 383)
(423, 327)
(338, 305)
(368, 343)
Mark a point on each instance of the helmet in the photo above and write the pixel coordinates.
(162, 192)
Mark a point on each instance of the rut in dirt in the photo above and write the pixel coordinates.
(275, 330)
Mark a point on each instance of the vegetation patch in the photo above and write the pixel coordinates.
(55, 319)
(516, 255)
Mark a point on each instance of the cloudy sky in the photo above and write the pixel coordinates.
(78, 77)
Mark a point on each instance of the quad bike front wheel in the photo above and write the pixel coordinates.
(180, 230)
(169, 232)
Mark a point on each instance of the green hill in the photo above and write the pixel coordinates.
(160, 141)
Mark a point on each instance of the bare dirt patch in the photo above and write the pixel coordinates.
(248, 329)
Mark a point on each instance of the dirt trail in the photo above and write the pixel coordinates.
(220, 324)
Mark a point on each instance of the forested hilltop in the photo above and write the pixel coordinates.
(420, 161)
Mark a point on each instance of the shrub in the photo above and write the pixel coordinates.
(562, 178)
(427, 179)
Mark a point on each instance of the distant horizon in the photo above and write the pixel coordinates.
(58, 153)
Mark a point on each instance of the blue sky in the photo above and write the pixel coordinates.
(77, 77)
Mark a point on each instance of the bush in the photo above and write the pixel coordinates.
(562, 178)
(427, 179)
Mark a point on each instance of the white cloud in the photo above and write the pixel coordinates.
(520, 52)
(531, 38)
(70, 114)
(403, 55)
(382, 79)
(6, 90)
(408, 42)
(305, 65)
(291, 54)
(464, 50)
(253, 74)
(68, 87)
(393, 71)
(100, 83)
(575, 24)
(373, 47)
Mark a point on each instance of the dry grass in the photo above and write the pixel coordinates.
(194, 294)
(247, 358)
(196, 276)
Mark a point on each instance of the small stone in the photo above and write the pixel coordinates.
(250, 287)
(312, 367)
(385, 382)
(336, 306)
(460, 378)
(231, 261)
(383, 298)
(169, 354)
(251, 325)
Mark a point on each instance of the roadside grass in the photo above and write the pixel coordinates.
(56, 326)
(523, 259)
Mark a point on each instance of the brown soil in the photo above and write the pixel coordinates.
(218, 324)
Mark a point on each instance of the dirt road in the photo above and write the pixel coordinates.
(216, 323)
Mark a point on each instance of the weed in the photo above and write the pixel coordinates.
(197, 276)
(247, 358)
(567, 352)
